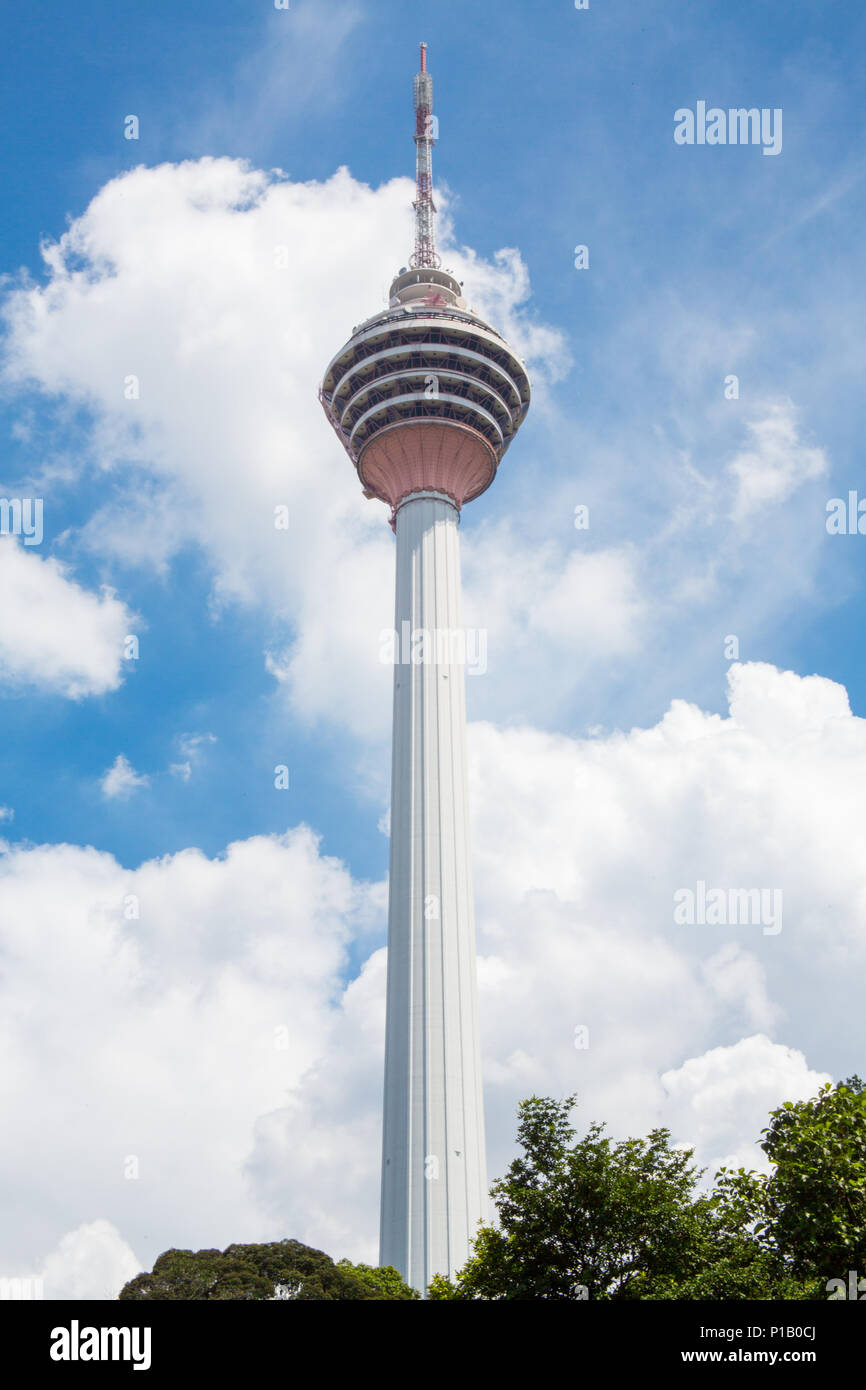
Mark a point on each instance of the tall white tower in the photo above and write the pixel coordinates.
(426, 397)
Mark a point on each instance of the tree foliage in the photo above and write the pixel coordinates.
(594, 1218)
(604, 1220)
(591, 1215)
(282, 1269)
(810, 1210)
(384, 1280)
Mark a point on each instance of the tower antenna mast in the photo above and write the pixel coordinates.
(425, 208)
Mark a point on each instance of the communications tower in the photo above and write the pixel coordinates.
(426, 397)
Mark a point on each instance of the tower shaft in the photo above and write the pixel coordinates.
(434, 1180)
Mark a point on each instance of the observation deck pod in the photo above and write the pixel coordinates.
(425, 395)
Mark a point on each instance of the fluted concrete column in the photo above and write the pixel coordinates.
(434, 1178)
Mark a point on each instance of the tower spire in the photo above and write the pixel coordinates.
(425, 249)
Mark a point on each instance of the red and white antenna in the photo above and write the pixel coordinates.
(425, 249)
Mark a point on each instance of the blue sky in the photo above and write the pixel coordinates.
(556, 129)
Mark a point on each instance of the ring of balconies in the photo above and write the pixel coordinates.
(486, 386)
(435, 358)
(396, 396)
(416, 406)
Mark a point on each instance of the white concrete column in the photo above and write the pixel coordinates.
(434, 1176)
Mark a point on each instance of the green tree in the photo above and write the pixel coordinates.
(810, 1210)
(590, 1218)
(384, 1280)
(805, 1221)
(730, 1258)
(593, 1218)
(285, 1269)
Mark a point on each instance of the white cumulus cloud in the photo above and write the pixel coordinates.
(224, 291)
(121, 779)
(56, 636)
(776, 462)
(222, 1038)
(91, 1262)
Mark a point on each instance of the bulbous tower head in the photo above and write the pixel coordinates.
(425, 396)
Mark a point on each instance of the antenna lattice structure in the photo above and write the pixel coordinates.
(425, 249)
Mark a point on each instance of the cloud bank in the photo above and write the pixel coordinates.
(199, 1017)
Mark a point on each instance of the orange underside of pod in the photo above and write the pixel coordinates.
(427, 454)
